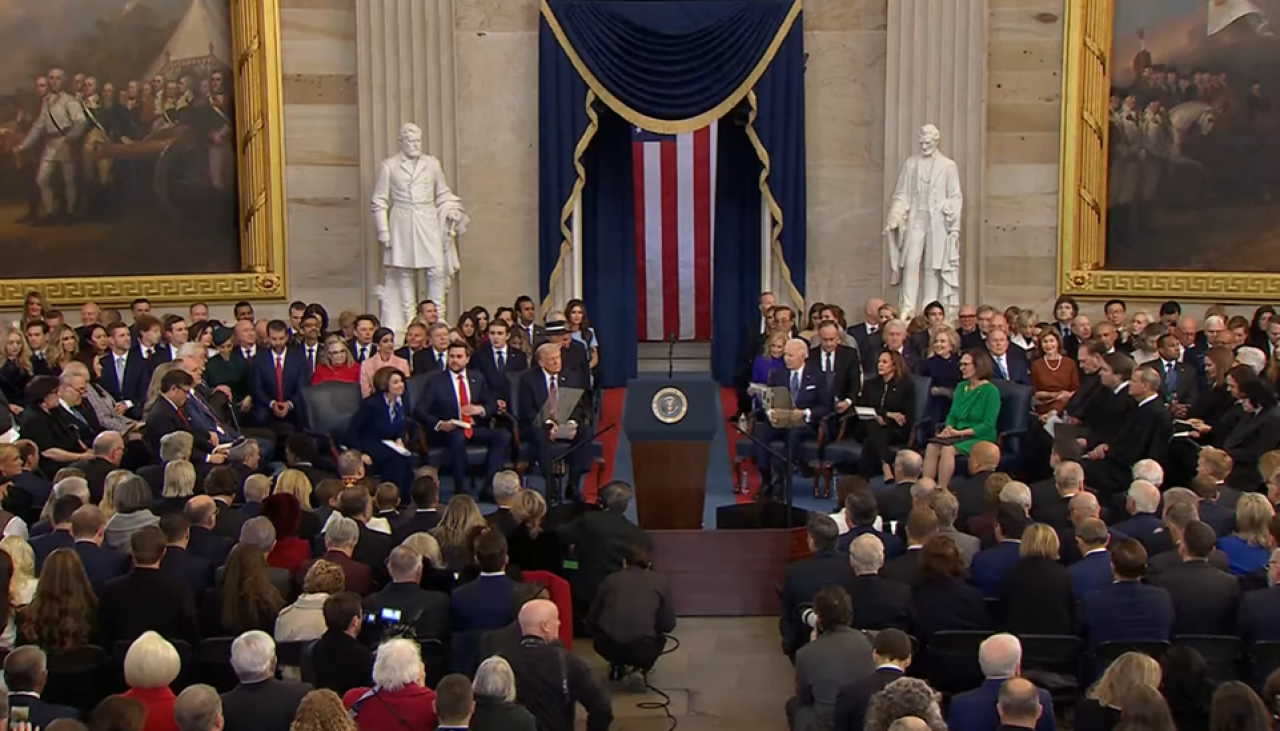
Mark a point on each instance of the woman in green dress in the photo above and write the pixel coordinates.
(972, 418)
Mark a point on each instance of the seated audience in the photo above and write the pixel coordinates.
(878, 603)
(384, 356)
(892, 394)
(118, 713)
(179, 486)
(862, 515)
(1187, 687)
(1258, 609)
(530, 546)
(1093, 571)
(895, 502)
(837, 655)
(427, 612)
(179, 565)
(1036, 595)
(506, 490)
(550, 681)
(1180, 512)
(424, 512)
(198, 708)
(144, 599)
(495, 699)
(891, 654)
(455, 703)
(1205, 600)
(256, 489)
(336, 363)
(1236, 707)
(151, 665)
(303, 620)
(382, 419)
(1021, 705)
(340, 538)
(946, 508)
(1127, 610)
(992, 564)
(133, 499)
(322, 710)
(341, 662)
(982, 709)
(1142, 503)
(1106, 700)
(51, 427)
(399, 699)
(1250, 546)
(631, 615)
(943, 600)
(245, 599)
(979, 493)
(222, 485)
(296, 483)
(290, 551)
(259, 702)
(60, 523)
(436, 575)
(905, 698)
(971, 420)
(202, 512)
(825, 567)
(63, 615)
(485, 604)
(25, 675)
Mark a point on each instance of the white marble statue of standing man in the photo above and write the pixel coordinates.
(418, 219)
(923, 228)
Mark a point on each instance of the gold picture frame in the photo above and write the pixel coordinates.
(255, 48)
(1082, 209)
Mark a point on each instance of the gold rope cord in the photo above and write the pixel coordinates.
(566, 211)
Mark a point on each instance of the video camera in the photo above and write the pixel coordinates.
(384, 624)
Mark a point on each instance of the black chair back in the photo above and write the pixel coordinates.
(1053, 663)
(1224, 654)
(513, 386)
(1107, 652)
(79, 677)
(920, 404)
(435, 658)
(951, 660)
(211, 664)
(416, 387)
(330, 407)
(1264, 659)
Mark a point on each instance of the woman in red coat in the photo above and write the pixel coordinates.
(290, 552)
(336, 363)
(150, 666)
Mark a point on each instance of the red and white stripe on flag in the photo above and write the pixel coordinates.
(675, 184)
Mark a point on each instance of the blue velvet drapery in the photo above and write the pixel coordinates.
(670, 66)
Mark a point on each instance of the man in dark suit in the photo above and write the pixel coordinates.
(424, 515)
(506, 492)
(60, 537)
(192, 571)
(1259, 609)
(416, 351)
(1093, 570)
(486, 603)
(1181, 384)
(125, 373)
(1145, 435)
(300, 454)
(825, 567)
(35, 487)
(544, 386)
(1126, 610)
(341, 661)
(1104, 416)
(878, 602)
(527, 320)
(108, 450)
(1178, 514)
(1053, 509)
(276, 382)
(462, 394)
(971, 491)
(223, 484)
(25, 675)
(340, 537)
(892, 337)
(259, 701)
(166, 417)
(1206, 601)
(201, 513)
(362, 345)
(973, 325)
(372, 547)
(1000, 657)
(436, 356)
(1142, 501)
(870, 325)
(891, 652)
(495, 360)
(426, 611)
(922, 524)
(1089, 357)
(861, 515)
(101, 564)
(839, 366)
(1008, 364)
(573, 353)
(991, 564)
(811, 402)
(145, 599)
(895, 503)
(1255, 433)
(602, 539)
(1210, 490)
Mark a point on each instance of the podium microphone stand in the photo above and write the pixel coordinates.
(786, 456)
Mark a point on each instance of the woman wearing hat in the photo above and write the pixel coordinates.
(226, 374)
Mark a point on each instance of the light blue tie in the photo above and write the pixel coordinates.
(795, 386)
(1004, 373)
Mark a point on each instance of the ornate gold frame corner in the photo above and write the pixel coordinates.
(1082, 198)
(255, 40)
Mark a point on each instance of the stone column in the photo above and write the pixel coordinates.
(936, 73)
(405, 61)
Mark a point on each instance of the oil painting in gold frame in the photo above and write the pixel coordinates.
(1210, 53)
(246, 171)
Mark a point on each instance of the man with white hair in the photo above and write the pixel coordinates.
(1142, 503)
(550, 681)
(340, 537)
(506, 490)
(259, 702)
(1150, 471)
(944, 504)
(1250, 356)
(426, 611)
(198, 708)
(1144, 434)
(1068, 481)
(1017, 493)
(896, 502)
(108, 450)
(810, 403)
(877, 602)
(399, 689)
(1000, 657)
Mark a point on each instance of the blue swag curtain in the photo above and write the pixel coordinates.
(670, 66)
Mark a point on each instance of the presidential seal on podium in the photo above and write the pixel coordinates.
(670, 405)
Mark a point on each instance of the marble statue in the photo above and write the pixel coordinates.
(418, 220)
(923, 229)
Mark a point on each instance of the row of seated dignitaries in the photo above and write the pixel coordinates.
(224, 384)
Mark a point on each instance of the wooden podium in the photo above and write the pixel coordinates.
(668, 455)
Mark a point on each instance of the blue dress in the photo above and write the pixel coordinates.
(761, 369)
(1243, 556)
(376, 422)
(942, 373)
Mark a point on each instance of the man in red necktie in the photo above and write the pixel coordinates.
(457, 410)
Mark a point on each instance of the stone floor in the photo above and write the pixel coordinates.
(728, 673)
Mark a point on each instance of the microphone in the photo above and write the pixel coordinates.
(671, 354)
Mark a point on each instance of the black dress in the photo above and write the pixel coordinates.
(1093, 716)
(13, 383)
(897, 396)
(541, 553)
(1036, 598)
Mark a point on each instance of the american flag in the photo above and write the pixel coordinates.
(675, 190)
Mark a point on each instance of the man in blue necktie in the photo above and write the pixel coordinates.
(811, 402)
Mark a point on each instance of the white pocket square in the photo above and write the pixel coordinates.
(810, 387)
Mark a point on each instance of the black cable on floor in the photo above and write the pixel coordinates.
(665, 704)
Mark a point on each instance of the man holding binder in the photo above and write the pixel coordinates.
(791, 419)
(552, 409)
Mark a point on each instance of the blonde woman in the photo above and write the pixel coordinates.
(296, 483)
(150, 667)
(336, 363)
(1249, 548)
(304, 619)
(15, 369)
(153, 389)
(529, 546)
(22, 584)
(1036, 594)
(179, 487)
(1026, 334)
(435, 575)
(459, 523)
(1104, 702)
(322, 710)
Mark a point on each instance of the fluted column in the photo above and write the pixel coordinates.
(405, 68)
(936, 74)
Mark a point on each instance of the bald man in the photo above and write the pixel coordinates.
(548, 675)
(863, 331)
(202, 512)
(1000, 657)
(984, 459)
(1022, 706)
(811, 403)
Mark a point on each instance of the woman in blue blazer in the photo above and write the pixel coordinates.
(380, 419)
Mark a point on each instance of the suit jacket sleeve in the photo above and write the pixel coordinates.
(430, 412)
(262, 392)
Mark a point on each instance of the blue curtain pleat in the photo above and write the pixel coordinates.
(562, 120)
(737, 262)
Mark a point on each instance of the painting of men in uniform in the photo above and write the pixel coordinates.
(1194, 156)
(117, 138)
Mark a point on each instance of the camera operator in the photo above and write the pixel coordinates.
(631, 616)
(838, 654)
(425, 612)
(550, 680)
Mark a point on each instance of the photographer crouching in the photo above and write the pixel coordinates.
(631, 616)
(837, 655)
